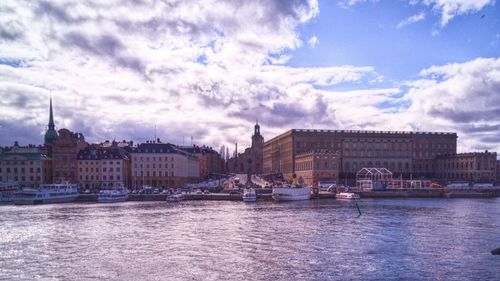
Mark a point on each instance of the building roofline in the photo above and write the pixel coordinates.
(395, 133)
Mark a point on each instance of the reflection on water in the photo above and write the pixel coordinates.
(197, 240)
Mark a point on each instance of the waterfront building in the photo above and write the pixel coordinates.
(211, 162)
(103, 167)
(404, 153)
(251, 160)
(163, 165)
(65, 149)
(29, 166)
(317, 165)
(472, 167)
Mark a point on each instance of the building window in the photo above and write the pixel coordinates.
(172, 173)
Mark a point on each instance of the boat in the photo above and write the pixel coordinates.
(347, 196)
(7, 191)
(119, 194)
(46, 193)
(458, 185)
(291, 193)
(249, 195)
(176, 197)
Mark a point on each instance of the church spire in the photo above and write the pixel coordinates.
(51, 117)
(51, 133)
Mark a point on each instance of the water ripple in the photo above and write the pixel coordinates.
(415, 239)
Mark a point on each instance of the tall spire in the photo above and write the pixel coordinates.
(51, 133)
(51, 117)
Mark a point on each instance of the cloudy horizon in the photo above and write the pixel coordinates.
(209, 70)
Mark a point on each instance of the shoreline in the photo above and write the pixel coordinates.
(265, 195)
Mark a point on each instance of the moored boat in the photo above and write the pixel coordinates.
(7, 191)
(176, 197)
(292, 192)
(119, 194)
(347, 196)
(249, 195)
(46, 193)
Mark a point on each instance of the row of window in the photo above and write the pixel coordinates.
(7, 162)
(305, 166)
(154, 165)
(147, 174)
(159, 158)
(104, 177)
(104, 169)
(22, 170)
(23, 178)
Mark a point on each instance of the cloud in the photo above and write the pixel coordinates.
(313, 41)
(459, 96)
(452, 8)
(209, 70)
(413, 19)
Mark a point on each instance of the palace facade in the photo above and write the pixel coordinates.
(404, 153)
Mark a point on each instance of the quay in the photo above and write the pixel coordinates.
(265, 195)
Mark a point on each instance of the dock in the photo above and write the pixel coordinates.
(265, 195)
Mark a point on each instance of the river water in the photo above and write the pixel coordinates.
(412, 239)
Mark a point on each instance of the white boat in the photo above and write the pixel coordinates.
(249, 195)
(347, 196)
(119, 194)
(7, 191)
(176, 197)
(46, 193)
(289, 193)
(458, 185)
(483, 185)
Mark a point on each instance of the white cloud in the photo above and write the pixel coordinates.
(413, 19)
(452, 8)
(313, 41)
(209, 71)
(206, 69)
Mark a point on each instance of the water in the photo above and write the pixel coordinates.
(413, 239)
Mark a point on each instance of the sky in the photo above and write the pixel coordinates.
(208, 70)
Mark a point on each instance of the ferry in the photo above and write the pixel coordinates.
(119, 194)
(46, 193)
(347, 196)
(7, 191)
(249, 195)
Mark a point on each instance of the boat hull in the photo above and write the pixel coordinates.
(52, 200)
(175, 198)
(249, 199)
(291, 194)
(347, 196)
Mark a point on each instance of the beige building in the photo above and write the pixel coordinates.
(404, 153)
(472, 167)
(28, 166)
(317, 166)
(163, 165)
(103, 167)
